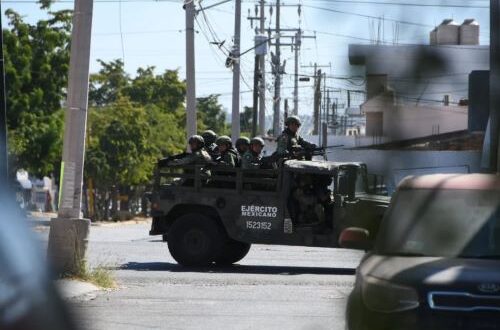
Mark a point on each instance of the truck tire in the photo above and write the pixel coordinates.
(232, 252)
(195, 240)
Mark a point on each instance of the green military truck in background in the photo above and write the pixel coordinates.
(213, 215)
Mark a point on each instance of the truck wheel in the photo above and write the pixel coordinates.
(194, 240)
(232, 252)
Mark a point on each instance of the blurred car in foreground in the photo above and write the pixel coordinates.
(28, 299)
(436, 260)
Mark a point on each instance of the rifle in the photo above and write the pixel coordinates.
(164, 162)
(309, 153)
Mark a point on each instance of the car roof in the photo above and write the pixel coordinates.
(452, 182)
(316, 166)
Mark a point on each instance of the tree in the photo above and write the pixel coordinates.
(212, 115)
(246, 119)
(36, 70)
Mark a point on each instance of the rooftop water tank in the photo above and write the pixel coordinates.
(469, 32)
(447, 33)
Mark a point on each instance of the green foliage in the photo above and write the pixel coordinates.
(212, 115)
(36, 69)
(246, 120)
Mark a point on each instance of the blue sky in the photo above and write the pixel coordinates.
(153, 35)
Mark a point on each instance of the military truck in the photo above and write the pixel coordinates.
(212, 214)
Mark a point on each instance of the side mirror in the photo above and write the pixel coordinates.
(355, 238)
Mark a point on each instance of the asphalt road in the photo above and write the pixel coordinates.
(274, 287)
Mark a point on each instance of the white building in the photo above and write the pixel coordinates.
(420, 90)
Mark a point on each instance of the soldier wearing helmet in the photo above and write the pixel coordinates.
(197, 156)
(228, 155)
(252, 159)
(242, 145)
(290, 142)
(210, 138)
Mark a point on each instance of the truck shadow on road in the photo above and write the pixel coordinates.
(236, 269)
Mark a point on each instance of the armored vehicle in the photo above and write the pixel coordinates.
(213, 214)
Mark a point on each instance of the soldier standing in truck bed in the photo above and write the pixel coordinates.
(228, 155)
(210, 146)
(290, 142)
(198, 155)
(242, 145)
(252, 159)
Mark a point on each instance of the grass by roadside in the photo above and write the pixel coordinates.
(100, 276)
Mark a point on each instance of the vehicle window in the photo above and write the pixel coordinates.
(448, 223)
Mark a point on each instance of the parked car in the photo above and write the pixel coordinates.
(436, 261)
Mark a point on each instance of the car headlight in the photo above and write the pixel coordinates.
(385, 297)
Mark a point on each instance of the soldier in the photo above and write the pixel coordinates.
(228, 155)
(242, 145)
(210, 137)
(197, 156)
(252, 159)
(290, 143)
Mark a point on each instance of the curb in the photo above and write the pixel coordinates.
(69, 289)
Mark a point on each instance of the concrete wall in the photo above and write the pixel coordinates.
(408, 122)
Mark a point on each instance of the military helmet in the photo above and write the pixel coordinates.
(258, 140)
(223, 140)
(209, 137)
(243, 141)
(198, 139)
(293, 119)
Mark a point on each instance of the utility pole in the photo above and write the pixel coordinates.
(255, 96)
(4, 160)
(494, 86)
(298, 43)
(287, 109)
(262, 65)
(277, 65)
(191, 128)
(69, 232)
(317, 99)
(235, 125)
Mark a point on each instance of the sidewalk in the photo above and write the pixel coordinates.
(43, 219)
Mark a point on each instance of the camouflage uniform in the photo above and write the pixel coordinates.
(210, 146)
(289, 141)
(250, 161)
(229, 158)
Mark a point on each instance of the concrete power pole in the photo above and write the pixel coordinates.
(235, 125)
(277, 64)
(495, 86)
(298, 43)
(262, 66)
(191, 128)
(317, 100)
(69, 232)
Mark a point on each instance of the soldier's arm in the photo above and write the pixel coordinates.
(187, 160)
(248, 164)
(305, 144)
(228, 160)
(282, 149)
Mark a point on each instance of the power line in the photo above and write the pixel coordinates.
(407, 4)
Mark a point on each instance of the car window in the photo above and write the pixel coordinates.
(448, 223)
